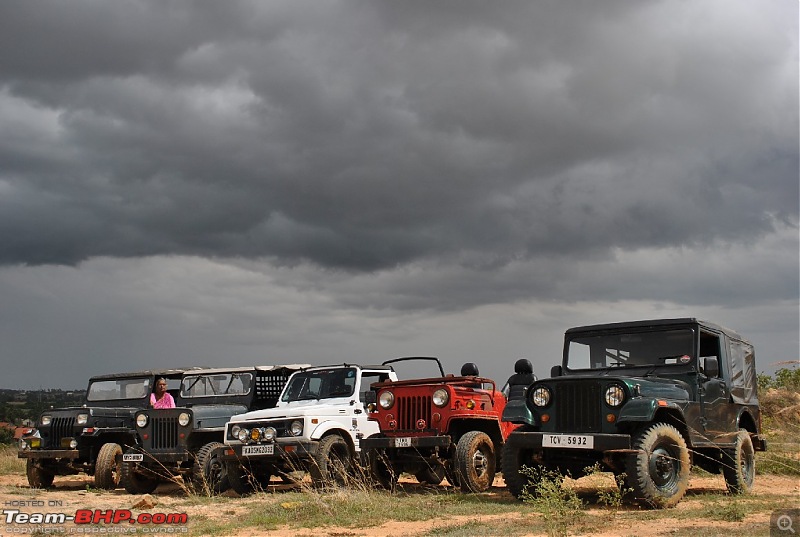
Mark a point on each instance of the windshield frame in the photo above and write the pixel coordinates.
(611, 351)
(190, 381)
(145, 382)
(317, 384)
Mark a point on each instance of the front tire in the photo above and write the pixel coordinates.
(209, 474)
(659, 472)
(243, 480)
(134, 481)
(38, 477)
(475, 461)
(332, 464)
(739, 465)
(512, 462)
(381, 470)
(107, 471)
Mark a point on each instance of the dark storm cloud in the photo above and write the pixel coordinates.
(367, 135)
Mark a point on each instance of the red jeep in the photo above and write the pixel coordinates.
(436, 427)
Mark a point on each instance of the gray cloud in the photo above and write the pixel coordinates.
(413, 161)
(362, 137)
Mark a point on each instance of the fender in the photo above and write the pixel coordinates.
(645, 410)
(517, 411)
(327, 426)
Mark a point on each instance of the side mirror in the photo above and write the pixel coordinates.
(711, 367)
(556, 371)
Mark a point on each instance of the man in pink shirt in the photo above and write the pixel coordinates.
(160, 398)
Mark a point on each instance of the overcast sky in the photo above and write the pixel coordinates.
(229, 183)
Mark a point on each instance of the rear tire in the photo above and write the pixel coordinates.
(475, 461)
(134, 481)
(431, 475)
(38, 477)
(739, 465)
(107, 471)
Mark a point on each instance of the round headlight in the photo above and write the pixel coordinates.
(296, 427)
(615, 395)
(441, 397)
(183, 419)
(541, 396)
(235, 431)
(82, 419)
(141, 420)
(243, 435)
(386, 400)
(269, 434)
(73, 444)
(255, 434)
(46, 420)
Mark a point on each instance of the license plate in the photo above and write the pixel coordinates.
(133, 457)
(267, 449)
(568, 441)
(404, 441)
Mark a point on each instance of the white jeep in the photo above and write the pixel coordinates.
(317, 427)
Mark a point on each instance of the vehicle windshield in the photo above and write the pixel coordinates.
(217, 384)
(124, 388)
(662, 347)
(321, 384)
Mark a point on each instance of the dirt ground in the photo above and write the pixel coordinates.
(72, 493)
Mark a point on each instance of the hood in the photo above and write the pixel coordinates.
(297, 409)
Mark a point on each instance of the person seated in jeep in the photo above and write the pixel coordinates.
(160, 398)
(522, 378)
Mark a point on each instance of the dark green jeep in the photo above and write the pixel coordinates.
(644, 400)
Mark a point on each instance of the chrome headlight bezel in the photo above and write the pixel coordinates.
(82, 418)
(386, 400)
(614, 395)
(234, 431)
(541, 396)
(183, 419)
(141, 420)
(243, 435)
(46, 420)
(440, 397)
(296, 427)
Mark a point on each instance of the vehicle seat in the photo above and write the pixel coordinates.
(522, 378)
(470, 369)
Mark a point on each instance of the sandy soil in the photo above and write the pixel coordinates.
(71, 494)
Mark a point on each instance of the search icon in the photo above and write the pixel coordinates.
(784, 523)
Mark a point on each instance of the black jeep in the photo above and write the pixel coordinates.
(644, 400)
(88, 439)
(183, 440)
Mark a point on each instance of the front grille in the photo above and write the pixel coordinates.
(578, 407)
(164, 432)
(411, 409)
(61, 427)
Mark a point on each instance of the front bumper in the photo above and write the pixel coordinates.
(70, 454)
(602, 442)
(298, 449)
(416, 442)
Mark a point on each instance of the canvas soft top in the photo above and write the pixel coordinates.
(655, 323)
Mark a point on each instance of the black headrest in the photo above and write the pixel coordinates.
(469, 370)
(523, 367)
